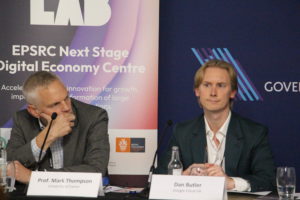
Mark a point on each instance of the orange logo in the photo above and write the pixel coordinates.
(123, 144)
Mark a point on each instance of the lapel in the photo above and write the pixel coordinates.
(35, 124)
(234, 144)
(198, 141)
(70, 140)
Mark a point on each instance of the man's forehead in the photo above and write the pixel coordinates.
(51, 94)
(216, 73)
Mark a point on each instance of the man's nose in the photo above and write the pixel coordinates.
(65, 106)
(213, 91)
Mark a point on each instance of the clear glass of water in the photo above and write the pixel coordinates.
(7, 176)
(10, 178)
(2, 172)
(286, 182)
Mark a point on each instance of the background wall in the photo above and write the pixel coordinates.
(262, 36)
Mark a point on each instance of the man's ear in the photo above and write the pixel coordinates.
(196, 90)
(33, 111)
(232, 94)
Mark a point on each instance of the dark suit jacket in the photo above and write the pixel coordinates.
(247, 151)
(86, 148)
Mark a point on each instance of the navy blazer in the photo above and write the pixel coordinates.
(247, 151)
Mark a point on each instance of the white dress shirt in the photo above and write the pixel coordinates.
(57, 151)
(215, 153)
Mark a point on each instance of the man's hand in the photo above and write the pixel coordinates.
(61, 126)
(216, 170)
(193, 169)
(22, 174)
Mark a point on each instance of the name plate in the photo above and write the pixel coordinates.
(72, 184)
(187, 187)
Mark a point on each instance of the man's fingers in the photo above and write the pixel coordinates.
(68, 118)
(22, 174)
(207, 165)
(193, 166)
(17, 163)
(45, 116)
(197, 165)
(215, 170)
(17, 169)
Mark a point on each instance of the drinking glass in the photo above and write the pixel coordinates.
(2, 172)
(286, 182)
(7, 176)
(10, 176)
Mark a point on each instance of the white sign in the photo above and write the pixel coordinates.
(187, 187)
(71, 184)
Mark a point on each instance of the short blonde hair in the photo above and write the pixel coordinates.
(198, 78)
(37, 80)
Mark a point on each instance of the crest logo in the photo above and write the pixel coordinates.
(133, 145)
(247, 90)
(122, 144)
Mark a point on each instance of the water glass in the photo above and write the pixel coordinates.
(286, 182)
(7, 176)
(2, 172)
(10, 181)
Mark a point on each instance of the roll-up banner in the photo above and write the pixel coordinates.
(105, 51)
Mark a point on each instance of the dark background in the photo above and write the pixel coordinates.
(263, 35)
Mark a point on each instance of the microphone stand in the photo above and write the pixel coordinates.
(53, 117)
(146, 190)
(37, 167)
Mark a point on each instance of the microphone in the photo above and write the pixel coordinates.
(162, 136)
(169, 123)
(37, 167)
(53, 117)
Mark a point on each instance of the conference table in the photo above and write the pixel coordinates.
(120, 196)
(19, 195)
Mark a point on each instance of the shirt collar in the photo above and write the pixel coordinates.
(41, 124)
(222, 130)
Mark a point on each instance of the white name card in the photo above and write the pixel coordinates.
(72, 184)
(187, 187)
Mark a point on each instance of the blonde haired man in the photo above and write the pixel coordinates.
(220, 142)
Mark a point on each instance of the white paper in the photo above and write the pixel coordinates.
(262, 193)
(117, 189)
